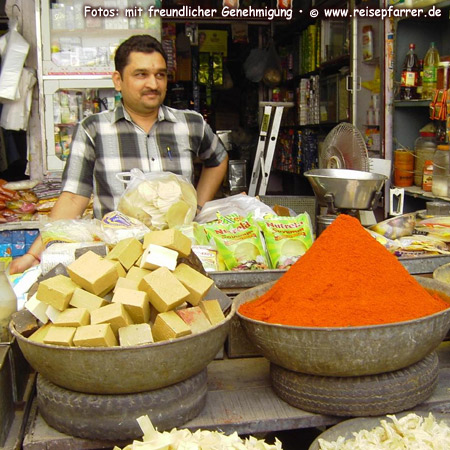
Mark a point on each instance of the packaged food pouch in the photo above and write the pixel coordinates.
(287, 238)
(239, 244)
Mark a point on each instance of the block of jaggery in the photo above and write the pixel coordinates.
(40, 333)
(136, 273)
(136, 303)
(128, 283)
(212, 311)
(171, 238)
(73, 317)
(37, 308)
(137, 334)
(99, 335)
(156, 256)
(121, 272)
(84, 299)
(126, 251)
(114, 314)
(164, 290)
(60, 336)
(24, 322)
(169, 325)
(195, 318)
(93, 273)
(56, 291)
(197, 284)
(52, 313)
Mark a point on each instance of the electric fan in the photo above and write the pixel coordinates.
(344, 148)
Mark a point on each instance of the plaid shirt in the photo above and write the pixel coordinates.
(110, 142)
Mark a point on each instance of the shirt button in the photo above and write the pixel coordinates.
(153, 159)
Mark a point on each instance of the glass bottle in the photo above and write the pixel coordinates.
(410, 75)
(420, 79)
(8, 303)
(430, 67)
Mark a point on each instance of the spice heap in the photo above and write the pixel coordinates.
(345, 279)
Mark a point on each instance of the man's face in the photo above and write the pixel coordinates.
(144, 82)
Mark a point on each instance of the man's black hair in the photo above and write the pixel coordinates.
(143, 43)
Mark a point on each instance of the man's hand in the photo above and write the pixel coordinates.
(22, 263)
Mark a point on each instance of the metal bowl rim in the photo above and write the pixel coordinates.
(117, 348)
(370, 176)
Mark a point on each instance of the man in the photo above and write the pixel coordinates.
(141, 133)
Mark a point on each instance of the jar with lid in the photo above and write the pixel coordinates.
(8, 303)
(441, 171)
(424, 148)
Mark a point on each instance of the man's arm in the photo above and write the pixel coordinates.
(68, 206)
(209, 182)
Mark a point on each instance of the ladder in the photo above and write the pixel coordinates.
(268, 135)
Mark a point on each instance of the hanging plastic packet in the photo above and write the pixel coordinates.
(287, 238)
(217, 66)
(239, 243)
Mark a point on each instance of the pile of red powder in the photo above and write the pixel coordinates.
(345, 279)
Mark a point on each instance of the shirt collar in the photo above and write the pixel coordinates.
(164, 113)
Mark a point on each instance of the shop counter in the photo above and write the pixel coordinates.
(240, 399)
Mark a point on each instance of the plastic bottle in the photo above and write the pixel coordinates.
(8, 303)
(410, 75)
(420, 79)
(430, 67)
(427, 178)
(441, 171)
(424, 149)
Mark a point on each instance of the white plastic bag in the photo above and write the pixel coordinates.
(15, 114)
(12, 63)
(241, 204)
(158, 199)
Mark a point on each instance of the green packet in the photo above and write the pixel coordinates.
(287, 238)
(239, 244)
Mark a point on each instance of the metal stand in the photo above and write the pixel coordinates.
(268, 136)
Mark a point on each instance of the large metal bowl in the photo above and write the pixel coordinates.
(125, 370)
(348, 351)
(351, 189)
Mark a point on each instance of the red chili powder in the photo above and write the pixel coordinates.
(346, 278)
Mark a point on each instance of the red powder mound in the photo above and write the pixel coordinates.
(346, 278)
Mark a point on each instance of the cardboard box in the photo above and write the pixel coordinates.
(137, 334)
(73, 317)
(84, 299)
(93, 273)
(99, 335)
(60, 336)
(136, 303)
(197, 284)
(114, 314)
(56, 291)
(164, 290)
(168, 325)
(126, 251)
(171, 238)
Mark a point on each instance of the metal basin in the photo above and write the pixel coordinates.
(351, 189)
(348, 351)
(125, 370)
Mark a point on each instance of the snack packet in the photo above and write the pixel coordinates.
(238, 242)
(287, 238)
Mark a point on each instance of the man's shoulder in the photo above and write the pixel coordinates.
(94, 119)
(182, 114)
